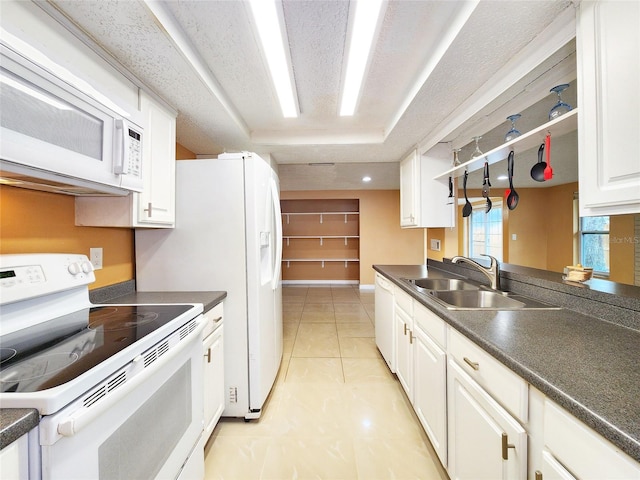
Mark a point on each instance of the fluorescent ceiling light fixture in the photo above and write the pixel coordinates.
(273, 45)
(366, 179)
(365, 22)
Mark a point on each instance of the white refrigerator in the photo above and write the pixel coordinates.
(227, 236)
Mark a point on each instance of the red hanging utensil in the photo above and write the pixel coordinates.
(548, 171)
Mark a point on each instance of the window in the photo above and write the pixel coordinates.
(485, 232)
(594, 244)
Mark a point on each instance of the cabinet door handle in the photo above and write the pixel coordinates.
(149, 210)
(538, 475)
(474, 365)
(217, 320)
(411, 337)
(405, 329)
(208, 355)
(506, 446)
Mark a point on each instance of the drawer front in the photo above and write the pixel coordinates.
(404, 301)
(583, 451)
(510, 390)
(433, 325)
(213, 318)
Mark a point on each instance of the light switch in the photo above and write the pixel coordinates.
(514, 236)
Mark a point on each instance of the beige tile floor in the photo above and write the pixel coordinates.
(335, 412)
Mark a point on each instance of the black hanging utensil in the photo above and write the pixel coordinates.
(537, 171)
(486, 187)
(513, 197)
(466, 210)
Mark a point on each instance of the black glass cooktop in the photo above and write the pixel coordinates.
(56, 351)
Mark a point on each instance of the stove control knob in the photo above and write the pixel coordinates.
(74, 268)
(87, 267)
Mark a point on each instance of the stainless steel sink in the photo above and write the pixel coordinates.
(456, 294)
(476, 300)
(441, 284)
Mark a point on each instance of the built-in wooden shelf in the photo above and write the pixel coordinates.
(321, 240)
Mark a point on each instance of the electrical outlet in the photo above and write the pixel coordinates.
(435, 245)
(95, 256)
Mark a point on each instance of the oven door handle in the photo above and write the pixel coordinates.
(85, 415)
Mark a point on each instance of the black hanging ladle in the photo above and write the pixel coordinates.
(466, 210)
(486, 187)
(537, 171)
(513, 197)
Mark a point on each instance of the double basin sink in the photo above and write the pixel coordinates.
(456, 294)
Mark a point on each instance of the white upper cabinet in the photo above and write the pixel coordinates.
(155, 205)
(424, 202)
(608, 46)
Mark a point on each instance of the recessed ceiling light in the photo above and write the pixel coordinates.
(365, 22)
(273, 44)
(366, 179)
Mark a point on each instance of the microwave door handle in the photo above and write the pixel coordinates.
(120, 152)
(78, 420)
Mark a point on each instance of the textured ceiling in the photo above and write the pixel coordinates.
(202, 58)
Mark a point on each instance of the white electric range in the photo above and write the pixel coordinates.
(118, 387)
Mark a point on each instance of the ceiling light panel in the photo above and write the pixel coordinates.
(272, 35)
(366, 18)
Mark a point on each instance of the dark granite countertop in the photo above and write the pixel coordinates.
(15, 422)
(208, 299)
(586, 365)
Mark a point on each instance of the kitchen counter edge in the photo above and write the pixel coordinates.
(15, 422)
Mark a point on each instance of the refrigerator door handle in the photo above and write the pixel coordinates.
(275, 197)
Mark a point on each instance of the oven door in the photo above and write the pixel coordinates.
(146, 428)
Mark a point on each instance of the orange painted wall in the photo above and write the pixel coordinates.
(382, 241)
(40, 222)
(621, 248)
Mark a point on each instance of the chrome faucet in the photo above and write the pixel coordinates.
(492, 273)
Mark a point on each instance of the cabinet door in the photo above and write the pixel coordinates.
(430, 391)
(608, 43)
(404, 350)
(477, 425)
(409, 190)
(213, 379)
(156, 204)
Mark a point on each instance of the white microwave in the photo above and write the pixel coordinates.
(55, 137)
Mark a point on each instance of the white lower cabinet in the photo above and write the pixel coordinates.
(485, 442)
(404, 349)
(404, 339)
(430, 391)
(213, 370)
(14, 459)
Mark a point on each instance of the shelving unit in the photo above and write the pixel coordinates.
(321, 241)
(557, 127)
